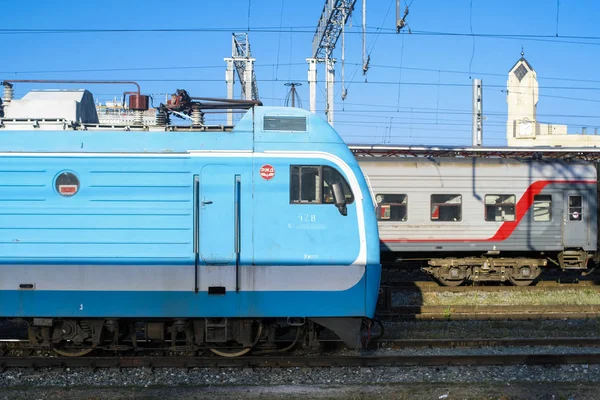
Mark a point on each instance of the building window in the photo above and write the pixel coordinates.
(392, 207)
(500, 207)
(446, 207)
(520, 72)
(575, 208)
(314, 184)
(542, 208)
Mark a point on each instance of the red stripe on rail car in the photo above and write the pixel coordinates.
(507, 227)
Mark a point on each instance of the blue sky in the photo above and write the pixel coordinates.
(417, 90)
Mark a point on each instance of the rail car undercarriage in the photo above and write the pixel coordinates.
(223, 336)
(520, 271)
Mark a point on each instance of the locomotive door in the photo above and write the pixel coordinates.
(576, 220)
(219, 222)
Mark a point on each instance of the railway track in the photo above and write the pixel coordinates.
(486, 342)
(434, 287)
(367, 359)
(491, 312)
(297, 361)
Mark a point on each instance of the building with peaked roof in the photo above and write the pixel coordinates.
(523, 128)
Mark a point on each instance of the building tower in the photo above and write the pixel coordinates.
(522, 94)
(522, 98)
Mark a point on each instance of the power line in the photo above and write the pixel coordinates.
(134, 69)
(298, 29)
(433, 84)
(291, 64)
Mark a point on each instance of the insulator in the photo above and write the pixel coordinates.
(197, 116)
(138, 117)
(8, 94)
(161, 118)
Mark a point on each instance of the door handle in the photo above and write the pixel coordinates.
(207, 202)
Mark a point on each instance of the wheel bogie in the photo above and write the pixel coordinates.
(223, 336)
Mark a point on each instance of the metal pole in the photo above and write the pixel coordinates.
(293, 95)
(329, 89)
(364, 35)
(312, 83)
(229, 78)
(397, 15)
(477, 138)
(248, 77)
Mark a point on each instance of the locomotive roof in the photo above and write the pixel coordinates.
(383, 151)
(292, 126)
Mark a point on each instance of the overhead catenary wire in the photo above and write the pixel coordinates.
(179, 67)
(449, 84)
(305, 30)
(279, 39)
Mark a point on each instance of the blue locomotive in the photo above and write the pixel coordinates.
(196, 236)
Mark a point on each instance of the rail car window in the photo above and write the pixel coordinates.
(575, 208)
(542, 208)
(446, 207)
(392, 207)
(314, 184)
(500, 207)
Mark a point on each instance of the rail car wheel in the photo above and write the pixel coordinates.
(520, 282)
(450, 282)
(73, 352)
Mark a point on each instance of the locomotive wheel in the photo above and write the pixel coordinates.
(450, 282)
(231, 353)
(73, 352)
(238, 352)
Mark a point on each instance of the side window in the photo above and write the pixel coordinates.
(542, 207)
(331, 176)
(500, 207)
(305, 184)
(392, 207)
(446, 207)
(575, 208)
(314, 184)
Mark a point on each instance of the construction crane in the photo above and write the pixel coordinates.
(241, 60)
(331, 25)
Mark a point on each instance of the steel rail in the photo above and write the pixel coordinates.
(296, 361)
(486, 342)
(494, 312)
(434, 287)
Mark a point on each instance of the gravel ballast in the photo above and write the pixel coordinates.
(358, 383)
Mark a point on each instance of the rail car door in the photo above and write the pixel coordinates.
(576, 220)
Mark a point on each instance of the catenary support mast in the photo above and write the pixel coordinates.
(333, 18)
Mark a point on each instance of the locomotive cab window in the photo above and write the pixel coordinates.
(313, 184)
(500, 207)
(392, 207)
(542, 208)
(446, 207)
(575, 208)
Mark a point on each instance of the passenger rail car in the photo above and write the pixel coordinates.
(199, 238)
(472, 219)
